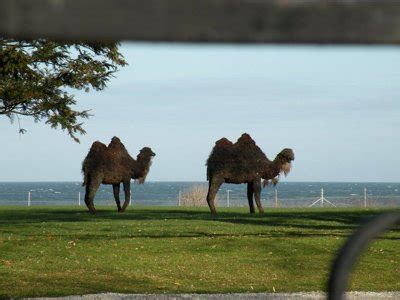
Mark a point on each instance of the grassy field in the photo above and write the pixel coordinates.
(54, 251)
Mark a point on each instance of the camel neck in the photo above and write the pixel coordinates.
(272, 168)
(142, 167)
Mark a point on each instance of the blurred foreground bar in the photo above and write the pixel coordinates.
(234, 21)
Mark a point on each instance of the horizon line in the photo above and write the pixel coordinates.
(194, 181)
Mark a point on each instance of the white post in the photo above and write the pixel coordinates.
(130, 197)
(365, 197)
(322, 197)
(79, 198)
(276, 198)
(29, 198)
(227, 197)
(179, 198)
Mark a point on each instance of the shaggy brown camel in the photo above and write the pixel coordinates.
(244, 162)
(113, 165)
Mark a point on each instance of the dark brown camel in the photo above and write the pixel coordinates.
(113, 165)
(244, 162)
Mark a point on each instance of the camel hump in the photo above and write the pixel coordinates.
(223, 142)
(96, 152)
(115, 142)
(220, 153)
(246, 149)
(116, 147)
(246, 139)
(98, 147)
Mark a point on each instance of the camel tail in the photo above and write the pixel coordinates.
(85, 175)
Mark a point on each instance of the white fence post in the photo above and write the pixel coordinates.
(179, 198)
(227, 197)
(29, 198)
(322, 197)
(365, 197)
(276, 198)
(79, 198)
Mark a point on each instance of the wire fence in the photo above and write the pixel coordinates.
(170, 194)
(349, 201)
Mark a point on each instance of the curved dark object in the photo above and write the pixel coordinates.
(352, 249)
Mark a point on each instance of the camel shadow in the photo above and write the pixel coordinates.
(293, 222)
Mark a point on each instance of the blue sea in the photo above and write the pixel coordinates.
(289, 194)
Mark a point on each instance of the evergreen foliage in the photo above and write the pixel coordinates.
(38, 76)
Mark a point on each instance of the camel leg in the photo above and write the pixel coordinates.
(91, 189)
(116, 195)
(127, 190)
(213, 188)
(250, 193)
(257, 194)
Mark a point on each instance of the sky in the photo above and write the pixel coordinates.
(337, 107)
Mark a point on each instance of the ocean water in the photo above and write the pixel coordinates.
(296, 194)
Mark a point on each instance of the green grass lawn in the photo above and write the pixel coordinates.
(54, 251)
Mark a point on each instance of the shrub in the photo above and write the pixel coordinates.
(195, 196)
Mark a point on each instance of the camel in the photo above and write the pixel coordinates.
(244, 162)
(112, 164)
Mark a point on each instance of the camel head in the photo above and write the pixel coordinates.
(144, 159)
(285, 158)
(281, 165)
(146, 152)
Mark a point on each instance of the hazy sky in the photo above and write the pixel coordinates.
(337, 107)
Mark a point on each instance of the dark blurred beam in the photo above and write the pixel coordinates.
(256, 21)
(351, 251)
